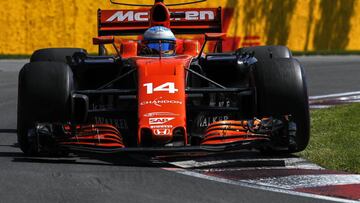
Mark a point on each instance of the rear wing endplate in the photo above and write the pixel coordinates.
(135, 22)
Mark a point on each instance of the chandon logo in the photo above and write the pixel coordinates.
(159, 101)
(140, 16)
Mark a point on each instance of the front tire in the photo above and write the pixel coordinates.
(44, 95)
(281, 89)
(54, 54)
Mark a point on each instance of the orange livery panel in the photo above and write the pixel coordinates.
(161, 94)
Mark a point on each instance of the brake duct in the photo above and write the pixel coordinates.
(232, 131)
(49, 137)
(94, 135)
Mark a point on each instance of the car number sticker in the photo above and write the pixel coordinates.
(166, 87)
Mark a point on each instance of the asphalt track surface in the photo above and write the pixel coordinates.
(135, 178)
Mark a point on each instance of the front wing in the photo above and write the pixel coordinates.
(105, 138)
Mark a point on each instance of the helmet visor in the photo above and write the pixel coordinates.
(163, 47)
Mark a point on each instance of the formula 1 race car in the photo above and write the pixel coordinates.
(162, 93)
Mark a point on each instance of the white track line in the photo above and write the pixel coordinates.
(255, 168)
(258, 187)
(299, 163)
(279, 184)
(306, 181)
(344, 94)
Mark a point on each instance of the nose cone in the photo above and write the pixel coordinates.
(161, 98)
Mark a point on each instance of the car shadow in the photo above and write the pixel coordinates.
(123, 159)
(8, 131)
(237, 159)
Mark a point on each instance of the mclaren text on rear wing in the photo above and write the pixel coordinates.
(135, 22)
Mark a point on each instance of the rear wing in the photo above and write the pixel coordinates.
(135, 22)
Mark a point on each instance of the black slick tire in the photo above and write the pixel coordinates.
(54, 54)
(44, 95)
(281, 89)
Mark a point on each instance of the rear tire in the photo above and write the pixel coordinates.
(54, 54)
(44, 95)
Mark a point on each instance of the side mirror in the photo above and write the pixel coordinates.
(214, 36)
(106, 40)
(103, 40)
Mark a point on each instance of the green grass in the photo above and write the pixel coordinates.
(335, 138)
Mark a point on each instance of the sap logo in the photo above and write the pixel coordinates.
(159, 121)
(141, 16)
(162, 131)
(129, 16)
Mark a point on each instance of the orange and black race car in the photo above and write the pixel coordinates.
(161, 92)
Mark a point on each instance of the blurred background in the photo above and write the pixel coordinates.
(302, 25)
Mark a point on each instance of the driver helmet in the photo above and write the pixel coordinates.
(159, 40)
